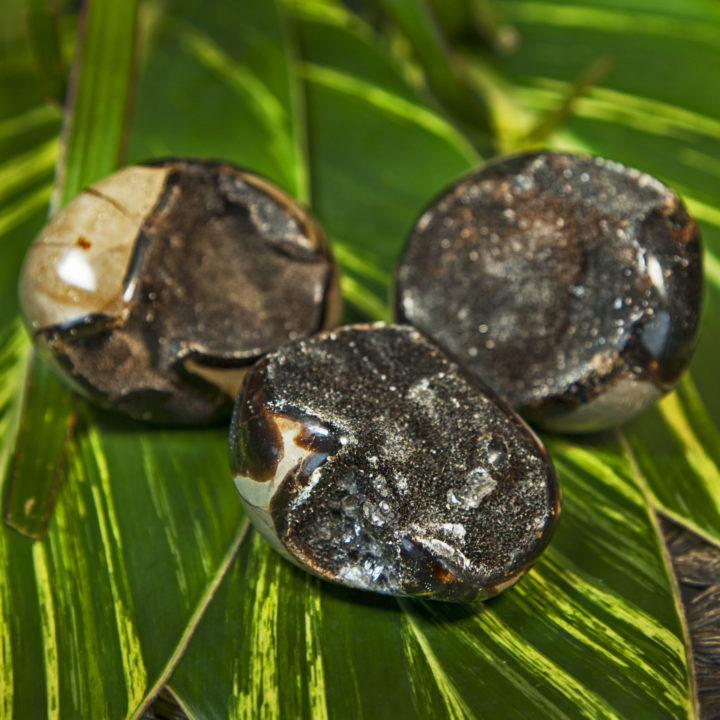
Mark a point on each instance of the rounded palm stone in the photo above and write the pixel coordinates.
(155, 289)
(368, 457)
(571, 285)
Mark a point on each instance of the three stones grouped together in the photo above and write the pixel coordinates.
(384, 457)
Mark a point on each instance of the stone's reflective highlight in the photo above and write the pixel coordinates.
(572, 285)
(368, 457)
(155, 289)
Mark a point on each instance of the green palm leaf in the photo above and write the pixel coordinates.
(146, 572)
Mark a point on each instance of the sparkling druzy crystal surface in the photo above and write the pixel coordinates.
(368, 457)
(572, 285)
(155, 288)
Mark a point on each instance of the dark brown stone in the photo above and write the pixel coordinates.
(571, 285)
(223, 268)
(418, 480)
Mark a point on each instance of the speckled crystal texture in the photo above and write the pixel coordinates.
(571, 285)
(155, 289)
(368, 457)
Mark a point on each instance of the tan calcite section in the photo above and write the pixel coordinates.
(77, 265)
(257, 496)
(229, 380)
(622, 399)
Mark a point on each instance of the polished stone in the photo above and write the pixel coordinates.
(155, 289)
(572, 285)
(368, 457)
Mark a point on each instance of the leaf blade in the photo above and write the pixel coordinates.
(94, 133)
(549, 635)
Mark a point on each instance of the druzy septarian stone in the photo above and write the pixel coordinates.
(368, 457)
(571, 285)
(156, 288)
